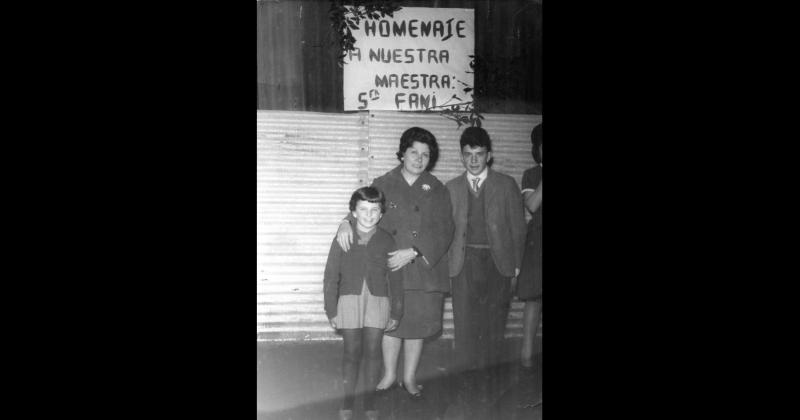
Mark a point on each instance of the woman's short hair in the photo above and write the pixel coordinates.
(423, 136)
(536, 140)
(370, 195)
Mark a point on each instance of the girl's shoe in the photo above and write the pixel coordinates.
(371, 414)
(345, 414)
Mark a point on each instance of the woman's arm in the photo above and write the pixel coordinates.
(344, 235)
(438, 228)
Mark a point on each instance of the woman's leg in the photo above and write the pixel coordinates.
(530, 324)
(391, 352)
(372, 363)
(352, 358)
(411, 355)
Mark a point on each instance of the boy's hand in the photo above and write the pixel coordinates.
(391, 325)
(344, 235)
(333, 323)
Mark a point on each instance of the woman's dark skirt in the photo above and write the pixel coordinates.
(529, 283)
(422, 315)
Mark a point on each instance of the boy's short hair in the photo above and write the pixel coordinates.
(536, 140)
(476, 137)
(370, 195)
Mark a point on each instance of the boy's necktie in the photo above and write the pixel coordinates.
(475, 184)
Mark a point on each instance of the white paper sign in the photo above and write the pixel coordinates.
(413, 61)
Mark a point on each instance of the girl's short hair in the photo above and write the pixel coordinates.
(536, 140)
(370, 195)
(423, 136)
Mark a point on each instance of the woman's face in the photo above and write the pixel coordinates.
(416, 158)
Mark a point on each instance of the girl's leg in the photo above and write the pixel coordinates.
(391, 352)
(530, 323)
(350, 361)
(411, 355)
(372, 363)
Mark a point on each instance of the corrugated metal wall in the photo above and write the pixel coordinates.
(308, 165)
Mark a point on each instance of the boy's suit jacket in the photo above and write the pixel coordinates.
(505, 220)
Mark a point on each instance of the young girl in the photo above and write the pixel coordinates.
(363, 298)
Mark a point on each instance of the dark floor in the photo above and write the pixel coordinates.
(300, 381)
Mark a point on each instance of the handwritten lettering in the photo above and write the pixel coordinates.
(412, 81)
(414, 101)
(415, 28)
(407, 55)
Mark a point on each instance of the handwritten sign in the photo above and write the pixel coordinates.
(415, 61)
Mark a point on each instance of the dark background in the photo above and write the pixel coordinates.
(298, 49)
(138, 181)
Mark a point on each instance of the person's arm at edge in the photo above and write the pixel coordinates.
(516, 216)
(533, 198)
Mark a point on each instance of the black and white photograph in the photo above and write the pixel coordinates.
(399, 209)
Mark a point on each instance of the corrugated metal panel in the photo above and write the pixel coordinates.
(511, 146)
(308, 165)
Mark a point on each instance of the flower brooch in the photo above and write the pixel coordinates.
(426, 187)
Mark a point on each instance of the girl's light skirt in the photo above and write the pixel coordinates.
(364, 310)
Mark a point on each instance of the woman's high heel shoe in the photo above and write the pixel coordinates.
(383, 392)
(415, 396)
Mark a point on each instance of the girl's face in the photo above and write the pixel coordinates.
(367, 215)
(416, 158)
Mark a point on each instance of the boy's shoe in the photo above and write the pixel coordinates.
(371, 414)
(345, 414)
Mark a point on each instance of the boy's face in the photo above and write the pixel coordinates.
(367, 214)
(475, 159)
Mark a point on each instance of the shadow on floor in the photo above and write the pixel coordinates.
(301, 381)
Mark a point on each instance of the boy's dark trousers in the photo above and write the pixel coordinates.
(481, 297)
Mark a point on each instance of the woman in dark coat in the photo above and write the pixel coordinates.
(419, 216)
(529, 287)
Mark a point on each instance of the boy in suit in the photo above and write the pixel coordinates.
(484, 259)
